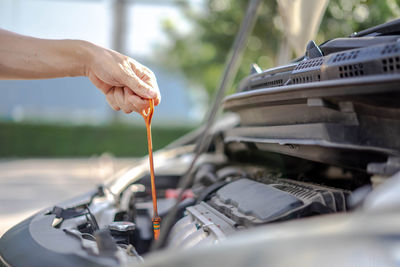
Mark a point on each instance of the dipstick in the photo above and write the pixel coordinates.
(148, 115)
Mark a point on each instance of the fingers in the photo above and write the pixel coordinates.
(121, 97)
(135, 102)
(111, 100)
(146, 84)
(137, 85)
(124, 99)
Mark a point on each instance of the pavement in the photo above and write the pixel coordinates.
(30, 185)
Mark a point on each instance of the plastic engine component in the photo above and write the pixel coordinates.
(249, 203)
(243, 195)
(201, 225)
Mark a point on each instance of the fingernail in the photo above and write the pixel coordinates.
(152, 94)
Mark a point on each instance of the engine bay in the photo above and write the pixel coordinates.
(223, 199)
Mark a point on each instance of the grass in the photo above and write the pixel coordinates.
(45, 140)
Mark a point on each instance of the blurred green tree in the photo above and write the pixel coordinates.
(201, 53)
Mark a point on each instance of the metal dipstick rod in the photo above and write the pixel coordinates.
(148, 115)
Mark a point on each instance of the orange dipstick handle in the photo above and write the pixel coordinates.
(148, 115)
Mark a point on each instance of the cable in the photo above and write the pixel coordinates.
(204, 141)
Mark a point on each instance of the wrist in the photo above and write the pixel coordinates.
(84, 52)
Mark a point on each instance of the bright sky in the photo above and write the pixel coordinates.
(145, 26)
(57, 19)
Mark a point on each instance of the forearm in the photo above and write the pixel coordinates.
(23, 57)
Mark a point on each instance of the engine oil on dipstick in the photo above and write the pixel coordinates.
(148, 115)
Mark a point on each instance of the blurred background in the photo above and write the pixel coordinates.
(54, 133)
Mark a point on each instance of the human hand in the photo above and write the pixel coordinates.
(126, 83)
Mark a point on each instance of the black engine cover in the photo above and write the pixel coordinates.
(249, 202)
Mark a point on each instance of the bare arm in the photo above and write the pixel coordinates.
(125, 82)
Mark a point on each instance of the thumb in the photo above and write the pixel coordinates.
(141, 88)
